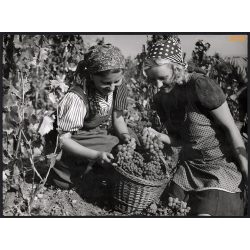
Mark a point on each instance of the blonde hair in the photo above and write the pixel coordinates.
(179, 71)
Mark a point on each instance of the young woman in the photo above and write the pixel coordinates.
(89, 111)
(213, 158)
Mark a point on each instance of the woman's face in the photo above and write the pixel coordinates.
(162, 77)
(106, 84)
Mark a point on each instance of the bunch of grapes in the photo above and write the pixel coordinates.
(153, 171)
(153, 144)
(174, 207)
(142, 166)
(138, 129)
(126, 151)
(180, 208)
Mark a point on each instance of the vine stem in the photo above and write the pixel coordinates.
(21, 76)
(31, 158)
(16, 153)
(52, 163)
(18, 142)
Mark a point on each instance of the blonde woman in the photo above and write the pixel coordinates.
(213, 160)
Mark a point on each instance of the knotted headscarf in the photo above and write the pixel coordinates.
(99, 58)
(103, 57)
(169, 50)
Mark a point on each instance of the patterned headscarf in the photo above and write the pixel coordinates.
(168, 50)
(104, 57)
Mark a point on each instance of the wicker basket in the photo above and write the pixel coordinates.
(132, 194)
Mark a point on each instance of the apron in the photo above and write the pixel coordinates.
(205, 160)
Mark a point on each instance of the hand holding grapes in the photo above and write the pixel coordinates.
(150, 132)
(104, 157)
(153, 134)
(126, 138)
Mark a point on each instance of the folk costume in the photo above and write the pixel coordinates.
(206, 174)
(85, 114)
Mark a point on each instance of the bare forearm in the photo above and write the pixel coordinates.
(119, 125)
(169, 140)
(78, 150)
(239, 149)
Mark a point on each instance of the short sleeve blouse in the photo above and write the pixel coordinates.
(71, 113)
(208, 93)
(121, 98)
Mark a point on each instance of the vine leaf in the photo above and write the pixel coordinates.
(11, 120)
(6, 174)
(26, 87)
(37, 151)
(33, 127)
(46, 126)
(7, 158)
(43, 55)
(24, 151)
(52, 97)
(59, 83)
(11, 97)
(15, 91)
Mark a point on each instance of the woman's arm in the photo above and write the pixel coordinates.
(167, 139)
(80, 151)
(223, 117)
(170, 140)
(120, 125)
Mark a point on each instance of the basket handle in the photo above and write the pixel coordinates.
(164, 163)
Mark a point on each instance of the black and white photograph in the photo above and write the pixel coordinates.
(124, 125)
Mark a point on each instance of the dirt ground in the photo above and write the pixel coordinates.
(51, 201)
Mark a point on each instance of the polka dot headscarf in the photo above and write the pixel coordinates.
(169, 49)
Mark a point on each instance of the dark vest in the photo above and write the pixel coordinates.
(92, 119)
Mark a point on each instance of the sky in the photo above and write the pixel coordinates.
(131, 45)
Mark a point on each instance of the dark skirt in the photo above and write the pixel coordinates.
(69, 171)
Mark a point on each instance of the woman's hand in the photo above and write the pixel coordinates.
(162, 137)
(150, 132)
(104, 157)
(126, 137)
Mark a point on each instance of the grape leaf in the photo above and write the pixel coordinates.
(24, 151)
(60, 83)
(11, 119)
(37, 151)
(15, 91)
(26, 86)
(43, 54)
(5, 177)
(6, 157)
(33, 127)
(53, 98)
(9, 147)
(46, 125)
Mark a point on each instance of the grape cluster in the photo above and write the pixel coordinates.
(153, 144)
(179, 207)
(154, 171)
(138, 129)
(126, 151)
(142, 166)
(174, 207)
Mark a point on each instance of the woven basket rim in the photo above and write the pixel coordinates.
(140, 180)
